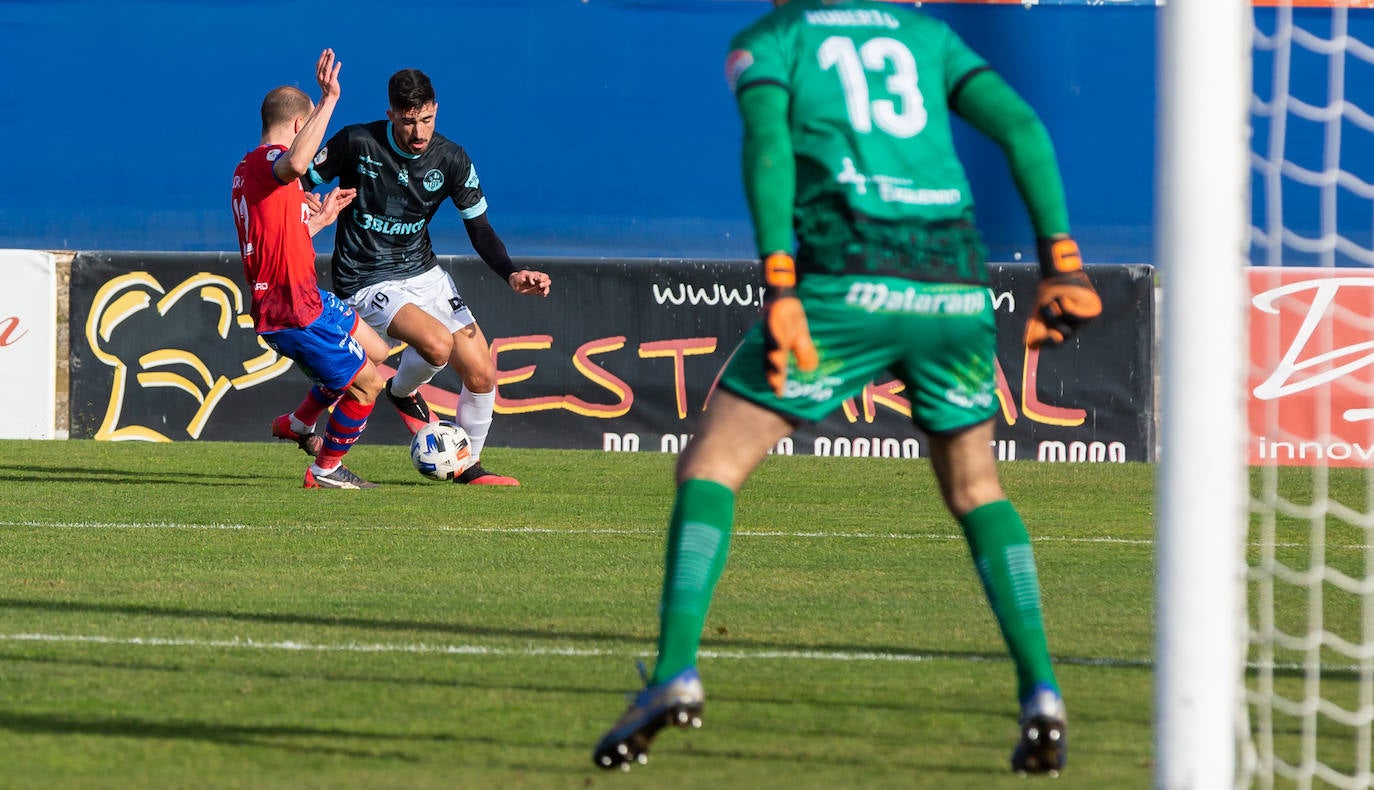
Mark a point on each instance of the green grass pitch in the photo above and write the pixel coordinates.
(186, 615)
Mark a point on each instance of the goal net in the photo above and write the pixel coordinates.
(1307, 717)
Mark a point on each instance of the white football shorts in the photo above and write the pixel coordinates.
(433, 291)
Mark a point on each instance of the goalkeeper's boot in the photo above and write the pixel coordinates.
(677, 701)
(412, 408)
(1044, 747)
(475, 475)
(309, 442)
(338, 477)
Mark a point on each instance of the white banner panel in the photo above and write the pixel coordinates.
(28, 344)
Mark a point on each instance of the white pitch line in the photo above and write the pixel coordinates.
(123, 525)
(420, 648)
(292, 645)
(752, 533)
(97, 525)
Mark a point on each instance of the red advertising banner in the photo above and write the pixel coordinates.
(1311, 382)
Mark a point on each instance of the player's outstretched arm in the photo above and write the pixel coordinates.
(1065, 298)
(493, 253)
(297, 160)
(770, 171)
(770, 182)
(994, 108)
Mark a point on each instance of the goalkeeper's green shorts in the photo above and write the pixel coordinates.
(939, 340)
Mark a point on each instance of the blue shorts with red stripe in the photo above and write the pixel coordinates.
(325, 350)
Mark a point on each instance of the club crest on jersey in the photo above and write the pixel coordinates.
(320, 157)
(434, 179)
(274, 154)
(403, 178)
(736, 63)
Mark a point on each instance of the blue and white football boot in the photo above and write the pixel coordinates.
(1044, 747)
(678, 701)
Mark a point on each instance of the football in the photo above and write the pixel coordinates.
(440, 451)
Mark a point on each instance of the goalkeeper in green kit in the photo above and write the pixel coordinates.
(847, 144)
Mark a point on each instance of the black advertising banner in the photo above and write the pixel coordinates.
(621, 356)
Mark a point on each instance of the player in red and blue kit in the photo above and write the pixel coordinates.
(275, 219)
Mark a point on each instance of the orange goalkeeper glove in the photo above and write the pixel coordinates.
(784, 322)
(1065, 299)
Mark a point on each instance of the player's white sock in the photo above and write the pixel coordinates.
(413, 373)
(474, 415)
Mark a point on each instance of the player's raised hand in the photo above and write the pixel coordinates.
(530, 282)
(785, 332)
(327, 74)
(335, 201)
(1065, 299)
(324, 212)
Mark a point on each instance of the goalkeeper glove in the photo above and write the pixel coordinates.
(1065, 299)
(784, 322)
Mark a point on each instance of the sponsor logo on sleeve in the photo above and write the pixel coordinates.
(736, 63)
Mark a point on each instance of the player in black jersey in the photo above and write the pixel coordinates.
(385, 267)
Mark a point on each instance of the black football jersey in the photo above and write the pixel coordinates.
(384, 233)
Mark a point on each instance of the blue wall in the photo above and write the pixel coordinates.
(600, 128)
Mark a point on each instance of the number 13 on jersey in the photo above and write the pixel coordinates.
(904, 115)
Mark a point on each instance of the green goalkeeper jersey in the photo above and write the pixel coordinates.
(869, 86)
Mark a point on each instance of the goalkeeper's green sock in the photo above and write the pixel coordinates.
(698, 542)
(1002, 553)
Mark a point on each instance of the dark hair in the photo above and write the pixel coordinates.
(409, 89)
(282, 105)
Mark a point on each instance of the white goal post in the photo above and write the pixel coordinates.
(1202, 225)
